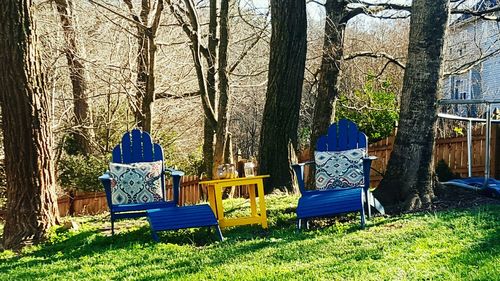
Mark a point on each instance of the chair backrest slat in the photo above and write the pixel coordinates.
(352, 137)
(147, 149)
(117, 155)
(126, 148)
(343, 135)
(158, 152)
(322, 144)
(136, 149)
(331, 136)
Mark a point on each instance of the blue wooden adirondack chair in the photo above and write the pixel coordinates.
(135, 187)
(342, 176)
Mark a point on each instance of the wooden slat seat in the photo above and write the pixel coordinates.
(182, 217)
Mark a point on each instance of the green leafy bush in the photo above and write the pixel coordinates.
(78, 172)
(444, 172)
(374, 108)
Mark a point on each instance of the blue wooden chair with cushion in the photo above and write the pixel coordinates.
(135, 187)
(342, 176)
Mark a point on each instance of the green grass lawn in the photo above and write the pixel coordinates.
(449, 245)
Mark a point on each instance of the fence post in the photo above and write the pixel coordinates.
(495, 152)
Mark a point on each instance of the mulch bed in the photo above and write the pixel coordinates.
(449, 197)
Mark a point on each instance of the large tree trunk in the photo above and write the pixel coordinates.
(31, 199)
(407, 183)
(83, 132)
(284, 92)
(324, 108)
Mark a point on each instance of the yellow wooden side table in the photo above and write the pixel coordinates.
(254, 183)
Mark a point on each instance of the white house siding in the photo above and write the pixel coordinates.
(491, 78)
(468, 41)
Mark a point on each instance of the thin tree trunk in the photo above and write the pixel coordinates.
(223, 115)
(142, 105)
(284, 91)
(408, 183)
(84, 133)
(142, 78)
(324, 108)
(31, 198)
(210, 128)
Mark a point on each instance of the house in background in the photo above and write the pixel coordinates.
(472, 59)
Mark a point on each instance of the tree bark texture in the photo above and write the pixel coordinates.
(83, 131)
(221, 134)
(209, 127)
(407, 183)
(284, 92)
(324, 108)
(31, 199)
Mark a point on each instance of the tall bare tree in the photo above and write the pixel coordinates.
(31, 199)
(278, 138)
(221, 133)
(83, 132)
(215, 98)
(408, 183)
(146, 23)
(324, 109)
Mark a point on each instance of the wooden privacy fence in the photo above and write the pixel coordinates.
(452, 150)
(95, 202)
(91, 203)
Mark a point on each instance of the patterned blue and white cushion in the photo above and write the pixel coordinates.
(136, 182)
(339, 169)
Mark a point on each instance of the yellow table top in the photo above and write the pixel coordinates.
(233, 179)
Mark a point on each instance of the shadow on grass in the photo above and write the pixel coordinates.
(62, 257)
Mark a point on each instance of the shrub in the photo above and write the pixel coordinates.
(374, 108)
(78, 172)
(444, 173)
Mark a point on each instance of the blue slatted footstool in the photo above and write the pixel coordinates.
(182, 217)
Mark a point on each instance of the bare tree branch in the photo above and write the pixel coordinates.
(390, 58)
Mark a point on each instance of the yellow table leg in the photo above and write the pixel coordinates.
(211, 199)
(218, 200)
(253, 203)
(262, 204)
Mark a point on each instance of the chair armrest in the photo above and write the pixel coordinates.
(176, 182)
(106, 182)
(174, 172)
(303, 164)
(367, 162)
(299, 172)
(105, 177)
